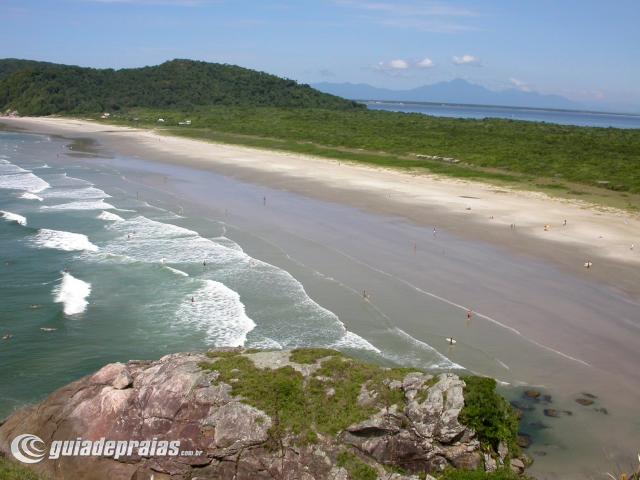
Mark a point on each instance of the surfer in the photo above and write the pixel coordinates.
(6, 336)
(48, 329)
(451, 341)
(66, 270)
(36, 306)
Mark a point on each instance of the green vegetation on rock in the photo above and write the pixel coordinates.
(453, 474)
(306, 407)
(15, 471)
(488, 413)
(357, 469)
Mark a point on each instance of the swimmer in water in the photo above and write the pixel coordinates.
(193, 299)
(204, 263)
(66, 270)
(36, 306)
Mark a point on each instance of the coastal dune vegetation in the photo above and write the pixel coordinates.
(230, 104)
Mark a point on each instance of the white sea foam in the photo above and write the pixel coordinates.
(177, 272)
(67, 241)
(23, 181)
(76, 193)
(62, 180)
(351, 340)
(219, 312)
(7, 168)
(31, 196)
(14, 217)
(110, 217)
(81, 205)
(72, 293)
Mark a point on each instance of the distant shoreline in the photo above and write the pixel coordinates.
(471, 105)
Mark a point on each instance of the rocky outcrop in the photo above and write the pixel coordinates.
(174, 419)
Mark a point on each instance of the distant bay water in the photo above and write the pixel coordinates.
(560, 117)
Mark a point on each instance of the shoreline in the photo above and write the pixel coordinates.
(593, 233)
(339, 221)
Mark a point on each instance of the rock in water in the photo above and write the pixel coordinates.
(584, 401)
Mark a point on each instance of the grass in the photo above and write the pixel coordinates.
(311, 355)
(480, 474)
(304, 408)
(356, 468)
(487, 412)
(14, 471)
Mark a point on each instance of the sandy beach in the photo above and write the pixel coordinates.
(410, 240)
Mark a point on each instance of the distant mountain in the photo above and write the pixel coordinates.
(455, 91)
(36, 88)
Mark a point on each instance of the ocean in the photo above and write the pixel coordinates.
(560, 117)
(110, 258)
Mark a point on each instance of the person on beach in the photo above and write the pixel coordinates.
(451, 341)
(469, 314)
(564, 224)
(434, 232)
(364, 294)
(415, 247)
(264, 200)
(632, 246)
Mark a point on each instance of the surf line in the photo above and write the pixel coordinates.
(446, 301)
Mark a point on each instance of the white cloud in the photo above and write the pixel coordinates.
(585, 94)
(520, 85)
(326, 73)
(426, 63)
(466, 60)
(383, 67)
(395, 68)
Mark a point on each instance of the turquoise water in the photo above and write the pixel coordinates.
(581, 119)
(132, 268)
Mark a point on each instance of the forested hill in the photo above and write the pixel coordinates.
(34, 88)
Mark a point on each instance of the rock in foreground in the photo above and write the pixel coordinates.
(306, 414)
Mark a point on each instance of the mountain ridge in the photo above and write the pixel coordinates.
(456, 91)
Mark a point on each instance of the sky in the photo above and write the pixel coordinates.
(585, 50)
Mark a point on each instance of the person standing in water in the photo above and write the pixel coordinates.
(469, 314)
(193, 300)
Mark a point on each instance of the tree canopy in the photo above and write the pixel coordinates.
(37, 88)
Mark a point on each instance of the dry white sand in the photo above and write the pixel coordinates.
(597, 231)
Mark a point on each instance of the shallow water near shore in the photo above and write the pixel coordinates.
(284, 273)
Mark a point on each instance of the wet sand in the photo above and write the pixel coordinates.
(541, 318)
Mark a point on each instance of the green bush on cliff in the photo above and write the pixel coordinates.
(480, 474)
(14, 471)
(488, 413)
(305, 408)
(357, 469)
